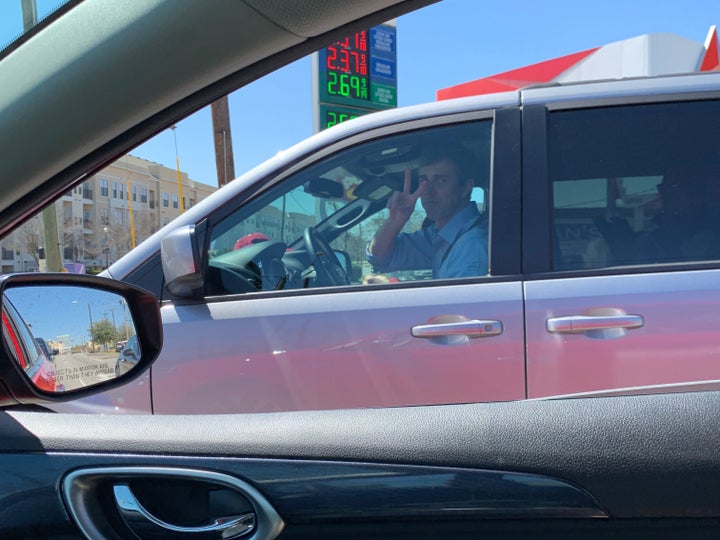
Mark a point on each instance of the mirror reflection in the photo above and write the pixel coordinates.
(68, 337)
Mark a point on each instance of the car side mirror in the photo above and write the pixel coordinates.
(181, 262)
(81, 317)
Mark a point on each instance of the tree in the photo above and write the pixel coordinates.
(103, 332)
(31, 237)
(124, 331)
(145, 224)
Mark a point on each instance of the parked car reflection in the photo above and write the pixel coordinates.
(27, 351)
(50, 353)
(129, 357)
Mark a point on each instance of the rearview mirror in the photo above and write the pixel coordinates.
(324, 188)
(60, 331)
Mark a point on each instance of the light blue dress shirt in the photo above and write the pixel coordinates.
(459, 249)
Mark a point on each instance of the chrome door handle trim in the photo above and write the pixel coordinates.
(473, 329)
(136, 517)
(579, 324)
(80, 490)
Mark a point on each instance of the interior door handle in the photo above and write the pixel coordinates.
(581, 324)
(471, 328)
(147, 526)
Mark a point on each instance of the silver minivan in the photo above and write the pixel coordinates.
(600, 204)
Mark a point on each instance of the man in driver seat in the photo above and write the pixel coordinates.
(454, 241)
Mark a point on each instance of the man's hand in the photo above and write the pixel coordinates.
(402, 203)
(401, 206)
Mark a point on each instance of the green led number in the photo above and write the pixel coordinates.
(343, 85)
(332, 82)
(355, 85)
(332, 119)
(336, 118)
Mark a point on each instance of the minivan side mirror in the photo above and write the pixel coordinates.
(80, 317)
(181, 262)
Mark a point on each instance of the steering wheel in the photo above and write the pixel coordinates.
(238, 271)
(327, 268)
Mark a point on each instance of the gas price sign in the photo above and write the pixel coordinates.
(355, 76)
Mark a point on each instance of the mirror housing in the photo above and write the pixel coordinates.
(44, 302)
(324, 188)
(181, 263)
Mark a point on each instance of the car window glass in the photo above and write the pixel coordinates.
(267, 245)
(21, 18)
(635, 185)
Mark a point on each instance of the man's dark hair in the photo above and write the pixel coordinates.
(463, 159)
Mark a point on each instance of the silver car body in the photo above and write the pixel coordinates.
(353, 347)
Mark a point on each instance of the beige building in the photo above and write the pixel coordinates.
(101, 219)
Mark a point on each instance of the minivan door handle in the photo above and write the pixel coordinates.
(470, 328)
(581, 324)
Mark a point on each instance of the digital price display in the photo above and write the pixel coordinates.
(355, 76)
(346, 68)
(330, 115)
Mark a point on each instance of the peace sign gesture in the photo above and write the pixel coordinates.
(402, 203)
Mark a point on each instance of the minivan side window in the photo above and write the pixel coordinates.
(315, 228)
(635, 185)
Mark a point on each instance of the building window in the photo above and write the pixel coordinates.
(175, 201)
(104, 188)
(143, 195)
(134, 193)
(114, 190)
(121, 187)
(166, 199)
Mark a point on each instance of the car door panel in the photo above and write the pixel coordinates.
(340, 350)
(621, 290)
(133, 398)
(301, 491)
(676, 345)
(452, 471)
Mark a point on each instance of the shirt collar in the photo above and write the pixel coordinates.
(459, 223)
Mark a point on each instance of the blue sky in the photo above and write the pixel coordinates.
(448, 43)
(39, 307)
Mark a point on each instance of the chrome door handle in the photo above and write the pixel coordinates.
(472, 328)
(580, 324)
(145, 525)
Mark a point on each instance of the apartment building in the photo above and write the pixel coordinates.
(104, 217)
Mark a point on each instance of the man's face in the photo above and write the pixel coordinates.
(445, 193)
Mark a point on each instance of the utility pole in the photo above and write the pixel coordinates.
(49, 216)
(222, 137)
(130, 213)
(177, 165)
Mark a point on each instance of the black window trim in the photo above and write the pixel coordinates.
(537, 242)
(505, 164)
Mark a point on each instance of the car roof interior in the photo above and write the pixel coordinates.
(199, 68)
